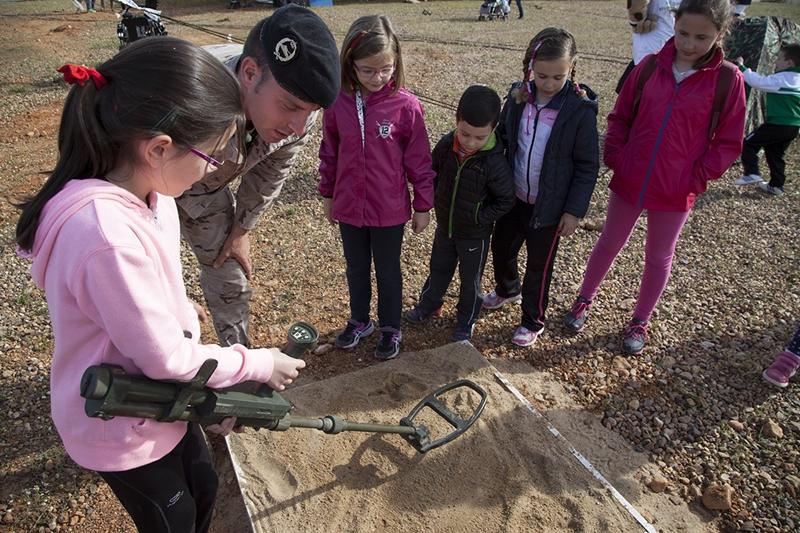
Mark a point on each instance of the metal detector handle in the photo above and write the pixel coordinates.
(432, 401)
(301, 337)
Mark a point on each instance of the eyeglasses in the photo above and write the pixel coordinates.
(371, 72)
(204, 156)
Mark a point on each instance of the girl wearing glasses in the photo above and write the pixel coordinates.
(103, 234)
(374, 144)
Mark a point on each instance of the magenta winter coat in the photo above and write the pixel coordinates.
(663, 159)
(369, 186)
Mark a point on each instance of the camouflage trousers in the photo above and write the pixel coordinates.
(206, 222)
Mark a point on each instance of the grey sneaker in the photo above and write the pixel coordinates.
(634, 337)
(353, 333)
(748, 179)
(575, 319)
(769, 189)
(389, 344)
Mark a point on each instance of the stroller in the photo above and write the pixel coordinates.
(145, 22)
(494, 9)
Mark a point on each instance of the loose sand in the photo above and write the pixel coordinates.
(506, 473)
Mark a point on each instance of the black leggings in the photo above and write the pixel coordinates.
(381, 245)
(510, 233)
(174, 494)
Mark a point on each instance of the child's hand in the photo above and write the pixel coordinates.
(567, 225)
(420, 221)
(285, 370)
(327, 205)
(740, 61)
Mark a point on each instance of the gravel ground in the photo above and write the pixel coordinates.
(693, 400)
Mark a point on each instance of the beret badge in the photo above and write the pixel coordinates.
(285, 50)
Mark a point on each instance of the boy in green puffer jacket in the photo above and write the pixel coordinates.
(782, 123)
(474, 187)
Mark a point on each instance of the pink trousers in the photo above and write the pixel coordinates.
(663, 229)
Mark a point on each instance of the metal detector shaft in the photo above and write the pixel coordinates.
(332, 425)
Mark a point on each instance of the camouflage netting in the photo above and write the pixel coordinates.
(758, 40)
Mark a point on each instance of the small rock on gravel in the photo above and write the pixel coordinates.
(771, 429)
(718, 497)
(736, 425)
(657, 484)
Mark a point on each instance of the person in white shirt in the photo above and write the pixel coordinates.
(652, 23)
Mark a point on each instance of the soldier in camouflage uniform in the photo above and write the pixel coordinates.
(287, 70)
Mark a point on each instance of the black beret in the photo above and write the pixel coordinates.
(302, 54)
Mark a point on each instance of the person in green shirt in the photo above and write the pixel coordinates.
(782, 123)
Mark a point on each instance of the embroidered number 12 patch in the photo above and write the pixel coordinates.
(385, 129)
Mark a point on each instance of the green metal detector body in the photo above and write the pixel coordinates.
(109, 391)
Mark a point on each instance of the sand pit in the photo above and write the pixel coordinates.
(507, 473)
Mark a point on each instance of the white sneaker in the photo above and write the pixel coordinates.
(749, 179)
(769, 189)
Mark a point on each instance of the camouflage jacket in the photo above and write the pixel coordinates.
(266, 167)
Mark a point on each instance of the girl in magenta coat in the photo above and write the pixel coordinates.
(374, 144)
(664, 151)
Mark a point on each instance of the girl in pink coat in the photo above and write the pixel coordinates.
(664, 146)
(374, 143)
(104, 237)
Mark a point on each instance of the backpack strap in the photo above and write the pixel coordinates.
(647, 71)
(723, 89)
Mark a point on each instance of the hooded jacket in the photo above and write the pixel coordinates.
(369, 182)
(662, 158)
(110, 268)
(472, 195)
(571, 158)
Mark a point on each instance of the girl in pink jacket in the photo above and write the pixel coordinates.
(104, 236)
(664, 145)
(374, 143)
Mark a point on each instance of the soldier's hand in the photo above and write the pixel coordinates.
(225, 427)
(420, 221)
(285, 370)
(237, 246)
(202, 316)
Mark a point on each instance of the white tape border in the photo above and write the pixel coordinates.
(578, 455)
(240, 482)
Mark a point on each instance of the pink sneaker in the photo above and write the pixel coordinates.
(524, 337)
(782, 369)
(495, 301)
